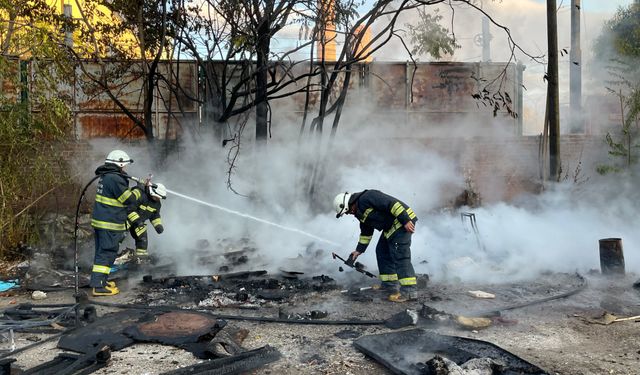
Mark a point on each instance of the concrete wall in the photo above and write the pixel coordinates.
(429, 95)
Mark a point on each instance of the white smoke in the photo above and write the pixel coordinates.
(558, 230)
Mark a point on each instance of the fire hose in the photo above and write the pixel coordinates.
(496, 312)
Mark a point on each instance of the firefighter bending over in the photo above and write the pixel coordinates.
(377, 210)
(108, 219)
(147, 207)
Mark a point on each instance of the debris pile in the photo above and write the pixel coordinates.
(419, 352)
(249, 289)
(439, 365)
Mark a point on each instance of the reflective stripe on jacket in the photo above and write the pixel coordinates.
(112, 197)
(377, 210)
(145, 208)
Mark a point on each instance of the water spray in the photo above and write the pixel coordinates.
(295, 230)
(147, 181)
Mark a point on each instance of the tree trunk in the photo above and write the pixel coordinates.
(148, 103)
(262, 66)
(341, 99)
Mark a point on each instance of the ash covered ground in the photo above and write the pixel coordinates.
(568, 335)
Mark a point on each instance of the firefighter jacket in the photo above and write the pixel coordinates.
(145, 208)
(112, 198)
(377, 210)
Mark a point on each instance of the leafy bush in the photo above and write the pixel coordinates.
(33, 128)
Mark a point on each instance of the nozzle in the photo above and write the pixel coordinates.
(144, 181)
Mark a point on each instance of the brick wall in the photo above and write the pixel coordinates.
(503, 168)
(64, 198)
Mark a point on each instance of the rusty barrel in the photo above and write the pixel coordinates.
(611, 256)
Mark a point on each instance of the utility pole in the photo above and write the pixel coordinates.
(68, 33)
(575, 72)
(553, 94)
(486, 40)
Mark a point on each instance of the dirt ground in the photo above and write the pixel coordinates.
(553, 335)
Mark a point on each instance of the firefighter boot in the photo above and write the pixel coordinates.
(108, 289)
(104, 291)
(404, 296)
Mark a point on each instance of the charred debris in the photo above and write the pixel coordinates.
(203, 314)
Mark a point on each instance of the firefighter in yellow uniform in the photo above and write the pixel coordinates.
(377, 210)
(109, 219)
(147, 207)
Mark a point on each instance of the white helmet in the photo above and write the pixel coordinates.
(158, 191)
(341, 203)
(119, 158)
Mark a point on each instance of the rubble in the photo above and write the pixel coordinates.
(433, 316)
(608, 318)
(402, 319)
(38, 295)
(313, 314)
(390, 349)
(472, 323)
(190, 330)
(477, 366)
(241, 363)
(69, 363)
(308, 301)
(348, 334)
(481, 294)
(248, 289)
(218, 299)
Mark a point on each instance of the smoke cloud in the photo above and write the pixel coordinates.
(555, 231)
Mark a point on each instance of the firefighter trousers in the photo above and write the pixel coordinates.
(139, 235)
(394, 261)
(107, 244)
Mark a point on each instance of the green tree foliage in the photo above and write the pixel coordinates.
(32, 123)
(429, 37)
(622, 32)
(620, 40)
